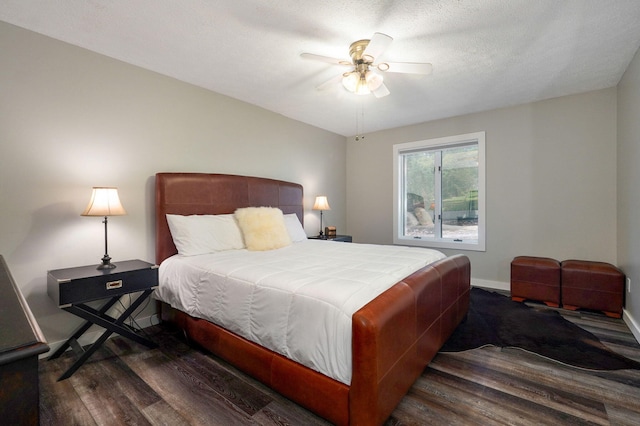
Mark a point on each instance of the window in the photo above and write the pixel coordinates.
(439, 194)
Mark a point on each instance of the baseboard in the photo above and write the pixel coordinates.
(632, 324)
(496, 285)
(91, 336)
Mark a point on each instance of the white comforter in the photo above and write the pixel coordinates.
(297, 301)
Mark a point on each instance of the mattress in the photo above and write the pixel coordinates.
(297, 301)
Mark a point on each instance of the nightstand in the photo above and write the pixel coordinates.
(72, 288)
(341, 238)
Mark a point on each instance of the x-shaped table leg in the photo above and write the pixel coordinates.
(111, 325)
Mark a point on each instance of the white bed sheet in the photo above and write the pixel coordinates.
(297, 301)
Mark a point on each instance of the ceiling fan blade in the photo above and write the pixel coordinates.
(381, 91)
(378, 44)
(331, 82)
(326, 59)
(406, 67)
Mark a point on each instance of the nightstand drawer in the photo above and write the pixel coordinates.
(80, 285)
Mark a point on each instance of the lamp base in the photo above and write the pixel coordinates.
(106, 263)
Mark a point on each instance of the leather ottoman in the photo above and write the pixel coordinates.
(592, 285)
(535, 278)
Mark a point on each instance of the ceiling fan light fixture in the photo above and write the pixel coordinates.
(364, 91)
(361, 83)
(374, 80)
(362, 88)
(350, 81)
(355, 82)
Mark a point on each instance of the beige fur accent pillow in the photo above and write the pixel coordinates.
(263, 228)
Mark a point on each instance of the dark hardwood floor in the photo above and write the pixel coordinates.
(124, 383)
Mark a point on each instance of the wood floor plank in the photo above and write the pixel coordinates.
(103, 394)
(418, 411)
(188, 394)
(161, 413)
(59, 402)
(528, 401)
(245, 396)
(486, 407)
(125, 381)
(621, 417)
(598, 386)
(244, 391)
(285, 412)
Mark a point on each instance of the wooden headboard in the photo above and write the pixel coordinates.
(205, 193)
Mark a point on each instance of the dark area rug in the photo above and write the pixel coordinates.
(494, 319)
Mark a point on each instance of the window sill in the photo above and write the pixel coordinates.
(423, 242)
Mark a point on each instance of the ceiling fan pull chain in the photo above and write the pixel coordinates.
(359, 121)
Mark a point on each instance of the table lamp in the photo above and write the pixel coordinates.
(105, 202)
(321, 204)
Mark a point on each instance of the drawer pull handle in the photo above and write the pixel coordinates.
(114, 284)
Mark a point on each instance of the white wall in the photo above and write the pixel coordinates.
(551, 181)
(629, 187)
(71, 119)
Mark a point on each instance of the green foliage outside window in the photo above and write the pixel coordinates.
(459, 178)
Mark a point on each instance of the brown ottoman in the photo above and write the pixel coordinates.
(535, 278)
(592, 285)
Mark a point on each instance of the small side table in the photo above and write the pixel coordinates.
(71, 288)
(341, 238)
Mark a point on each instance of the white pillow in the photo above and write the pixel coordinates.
(202, 234)
(263, 228)
(294, 227)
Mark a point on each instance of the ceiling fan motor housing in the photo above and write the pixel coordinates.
(356, 50)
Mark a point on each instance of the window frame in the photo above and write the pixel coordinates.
(398, 183)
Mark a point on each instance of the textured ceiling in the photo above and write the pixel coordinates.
(486, 54)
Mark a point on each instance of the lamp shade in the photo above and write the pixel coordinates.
(104, 202)
(321, 203)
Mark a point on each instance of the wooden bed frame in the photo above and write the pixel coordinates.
(394, 336)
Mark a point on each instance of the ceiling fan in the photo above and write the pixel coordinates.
(363, 78)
